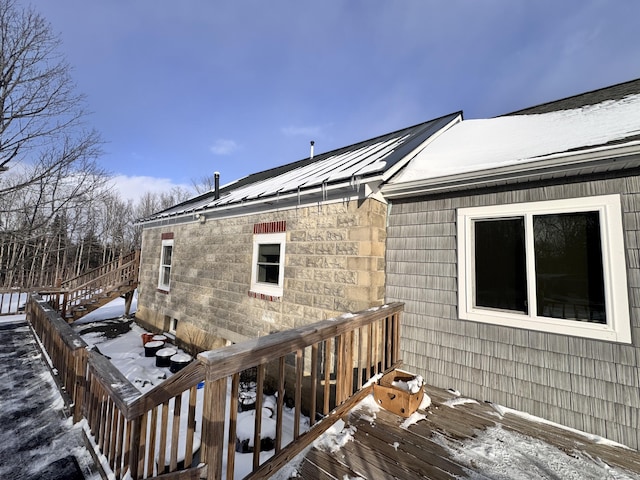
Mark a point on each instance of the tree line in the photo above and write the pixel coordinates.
(59, 213)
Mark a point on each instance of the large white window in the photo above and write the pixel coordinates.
(267, 275)
(554, 266)
(164, 277)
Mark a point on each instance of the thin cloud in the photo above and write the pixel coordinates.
(134, 187)
(306, 131)
(223, 146)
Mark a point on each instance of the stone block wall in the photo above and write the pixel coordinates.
(334, 263)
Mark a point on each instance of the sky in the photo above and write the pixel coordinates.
(179, 90)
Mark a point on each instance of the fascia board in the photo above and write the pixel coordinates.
(331, 194)
(555, 163)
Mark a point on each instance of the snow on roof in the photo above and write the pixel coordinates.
(367, 159)
(481, 144)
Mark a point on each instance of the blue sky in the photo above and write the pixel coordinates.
(182, 89)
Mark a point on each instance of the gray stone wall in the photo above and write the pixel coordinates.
(334, 263)
(587, 384)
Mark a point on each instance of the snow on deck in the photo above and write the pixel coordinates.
(455, 438)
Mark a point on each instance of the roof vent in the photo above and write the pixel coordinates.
(216, 190)
(312, 144)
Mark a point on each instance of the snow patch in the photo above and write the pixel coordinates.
(414, 418)
(454, 402)
(501, 454)
(335, 437)
(412, 386)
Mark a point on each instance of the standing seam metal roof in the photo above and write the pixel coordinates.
(362, 160)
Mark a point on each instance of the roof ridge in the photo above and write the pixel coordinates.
(591, 97)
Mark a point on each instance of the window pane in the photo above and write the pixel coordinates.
(166, 272)
(166, 254)
(269, 253)
(268, 273)
(569, 273)
(500, 267)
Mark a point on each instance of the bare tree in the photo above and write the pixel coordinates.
(204, 184)
(47, 156)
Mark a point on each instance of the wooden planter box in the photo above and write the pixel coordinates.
(395, 399)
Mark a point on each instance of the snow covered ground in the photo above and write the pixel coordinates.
(37, 441)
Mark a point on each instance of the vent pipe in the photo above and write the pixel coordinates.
(216, 188)
(312, 144)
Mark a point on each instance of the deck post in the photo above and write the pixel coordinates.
(80, 372)
(128, 298)
(213, 416)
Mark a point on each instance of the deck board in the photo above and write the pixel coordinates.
(384, 448)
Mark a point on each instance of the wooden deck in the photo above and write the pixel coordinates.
(384, 449)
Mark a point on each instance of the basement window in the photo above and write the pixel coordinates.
(173, 326)
(164, 278)
(267, 274)
(555, 266)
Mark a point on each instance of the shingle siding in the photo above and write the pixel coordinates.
(583, 383)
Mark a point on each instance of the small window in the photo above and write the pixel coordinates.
(173, 325)
(164, 280)
(267, 275)
(554, 266)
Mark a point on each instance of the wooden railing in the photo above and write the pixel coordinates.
(112, 275)
(13, 300)
(315, 374)
(75, 291)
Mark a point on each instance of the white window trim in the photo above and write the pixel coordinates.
(270, 289)
(173, 325)
(162, 286)
(618, 327)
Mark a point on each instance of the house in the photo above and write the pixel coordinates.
(513, 242)
(277, 249)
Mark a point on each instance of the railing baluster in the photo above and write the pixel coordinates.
(127, 445)
(298, 393)
(233, 423)
(257, 433)
(175, 433)
(389, 336)
(339, 369)
(280, 403)
(191, 425)
(164, 428)
(348, 377)
(106, 437)
(113, 444)
(314, 383)
(359, 367)
(117, 459)
(328, 354)
(153, 427)
(395, 334)
(142, 444)
(133, 448)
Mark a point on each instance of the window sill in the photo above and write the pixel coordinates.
(264, 296)
(573, 328)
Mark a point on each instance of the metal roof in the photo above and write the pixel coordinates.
(365, 160)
